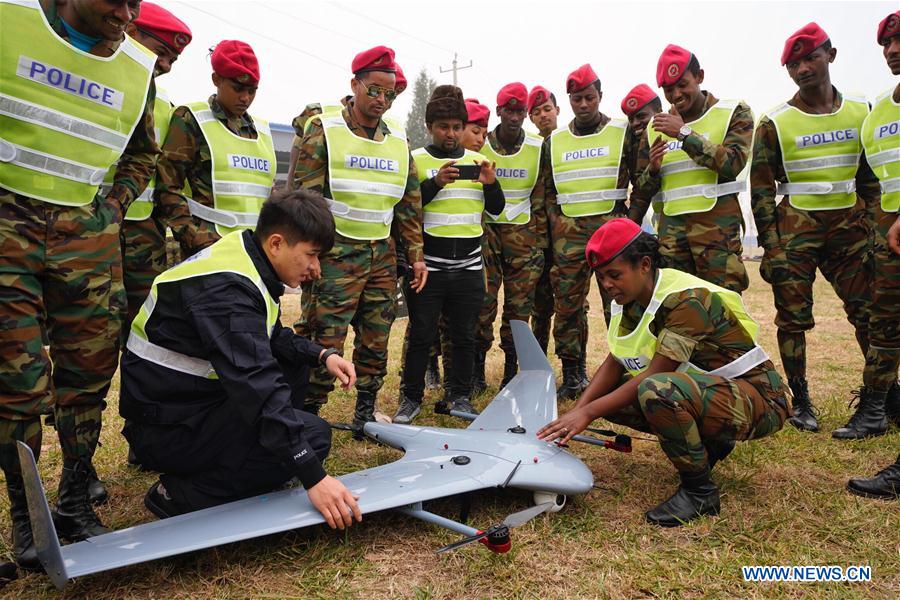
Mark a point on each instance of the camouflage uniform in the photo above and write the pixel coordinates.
(706, 244)
(359, 277)
(570, 276)
(143, 258)
(186, 157)
(61, 278)
(797, 241)
(883, 356)
(513, 256)
(688, 411)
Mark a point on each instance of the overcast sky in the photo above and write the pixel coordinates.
(305, 48)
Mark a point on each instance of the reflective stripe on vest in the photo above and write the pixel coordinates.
(635, 350)
(517, 174)
(820, 154)
(365, 178)
(456, 210)
(142, 207)
(243, 171)
(335, 110)
(881, 139)
(586, 169)
(228, 255)
(65, 115)
(687, 187)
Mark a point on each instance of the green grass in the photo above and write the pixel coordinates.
(783, 503)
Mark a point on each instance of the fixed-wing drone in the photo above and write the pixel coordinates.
(498, 449)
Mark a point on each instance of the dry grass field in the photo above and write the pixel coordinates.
(783, 502)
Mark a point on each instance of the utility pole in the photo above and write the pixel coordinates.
(455, 68)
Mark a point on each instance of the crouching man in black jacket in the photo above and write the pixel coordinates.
(212, 384)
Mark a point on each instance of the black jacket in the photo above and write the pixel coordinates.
(222, 318)
(455, 248)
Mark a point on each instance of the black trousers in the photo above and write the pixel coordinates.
(217, 458)
(459, 295)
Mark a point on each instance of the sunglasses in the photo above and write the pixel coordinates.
(373, 91)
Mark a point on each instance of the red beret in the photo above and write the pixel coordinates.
(888, 28)
(609, 241)
(513, 95)
(580, 78)
(235, 60)
(804, 41)
(639, 96)
(379, 58)
(672, 64)
(537, 96)
(478, 113)
(162, 24)
(401, 83)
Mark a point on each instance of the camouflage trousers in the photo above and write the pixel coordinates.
(883, 356)
(357, 287)
(684, 410)
(834, 241)
(60, 280)
(511, 259)
(542, 311)
(143, 258)
(570, 279)
(706, 244)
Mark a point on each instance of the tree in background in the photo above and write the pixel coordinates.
(415, 120)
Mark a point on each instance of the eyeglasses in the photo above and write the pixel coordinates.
(373, 91)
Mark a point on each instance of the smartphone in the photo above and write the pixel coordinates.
(472, 172)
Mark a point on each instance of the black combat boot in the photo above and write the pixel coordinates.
(97, 493)
(432, 374)
(24, 551)
(74, 517)
(804, 417)
(479, 385)
(407, 411)
(884, 485)
(461, 403)
(573, 384)
(892, 404)
(717, 451)
(696, 496)
(868, 420)
(364, 413)
(510, 368)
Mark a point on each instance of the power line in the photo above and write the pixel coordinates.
(316, 25)
(343, 69)
(388, 26)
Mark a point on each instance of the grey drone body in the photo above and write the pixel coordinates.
(498, 449)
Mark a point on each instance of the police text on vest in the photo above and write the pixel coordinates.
(507, 173)
(887, 130)
(827, 137)
(71, 83)
(249, 163)
(586, 153)
(371, 163)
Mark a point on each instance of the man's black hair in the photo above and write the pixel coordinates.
(553, 99)
(655, 104)
(299, 216)
(694, 66)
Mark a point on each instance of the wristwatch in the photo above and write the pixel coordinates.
(684, 132)
(324, 358)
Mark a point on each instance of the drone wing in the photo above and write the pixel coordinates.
(418, 476)
(529, 400)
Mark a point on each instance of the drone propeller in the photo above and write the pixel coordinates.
(516, 519)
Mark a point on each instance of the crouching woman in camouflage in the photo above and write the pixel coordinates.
(683, 365)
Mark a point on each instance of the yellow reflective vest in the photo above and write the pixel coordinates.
(881, 139)
(455, 211)
(517, 174)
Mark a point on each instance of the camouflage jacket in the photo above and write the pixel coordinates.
(299, 122)
(138, 162)
(538, 222)
(727, 159)
(546, 185)
(694, 325)
(186, 158)
(767, 170)
(312, 173)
